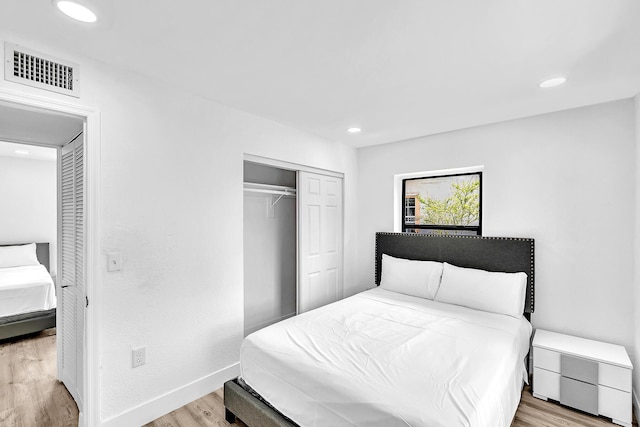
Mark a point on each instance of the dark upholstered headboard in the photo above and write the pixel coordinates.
(42, 252)
(508, 254)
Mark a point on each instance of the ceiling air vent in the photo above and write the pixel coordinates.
(36, 69)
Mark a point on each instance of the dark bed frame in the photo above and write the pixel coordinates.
(28, 323)
(508, 254)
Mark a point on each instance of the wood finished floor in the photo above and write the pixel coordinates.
(30, 394)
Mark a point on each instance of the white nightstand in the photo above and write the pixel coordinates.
(589, 375)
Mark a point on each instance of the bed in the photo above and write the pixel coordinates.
(27, 292)
(398, 356)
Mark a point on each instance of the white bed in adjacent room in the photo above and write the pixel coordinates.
(26, 289)
(374, 358)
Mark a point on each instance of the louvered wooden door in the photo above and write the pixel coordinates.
(71, 291)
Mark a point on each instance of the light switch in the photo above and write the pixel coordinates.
(114, 261)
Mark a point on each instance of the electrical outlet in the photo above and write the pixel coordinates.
(139, 356)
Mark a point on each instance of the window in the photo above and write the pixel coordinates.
(445, 204)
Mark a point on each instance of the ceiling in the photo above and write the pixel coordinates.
(27, 152)
(397, 69)
(31, 126)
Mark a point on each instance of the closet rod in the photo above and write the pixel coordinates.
(269, 189)
(274, 192)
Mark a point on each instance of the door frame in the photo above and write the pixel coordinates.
(290, 165)
(90, 414)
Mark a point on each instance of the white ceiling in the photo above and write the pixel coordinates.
(397, 69)
(27, 152)
(37, 127)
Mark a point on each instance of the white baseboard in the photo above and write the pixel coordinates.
(173, 400)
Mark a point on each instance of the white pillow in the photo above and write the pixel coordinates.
(416, 278)
(502, 293)
(16, 256)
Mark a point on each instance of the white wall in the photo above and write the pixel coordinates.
(565, 179)
(28, 197)
(172, 194)
(636, 360)
(270, 247)
(270, 273)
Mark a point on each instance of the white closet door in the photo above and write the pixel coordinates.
(320, 240)
(71, 294)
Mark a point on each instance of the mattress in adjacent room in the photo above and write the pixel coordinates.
(26, 289)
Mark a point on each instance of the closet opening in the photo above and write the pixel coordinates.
(270, 245)
(293, 240)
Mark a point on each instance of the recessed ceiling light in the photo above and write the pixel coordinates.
(552, 82)
(354, 130)
(77, 11)
(22, 152)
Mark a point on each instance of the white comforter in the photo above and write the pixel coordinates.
(381, 358)
(26, 289)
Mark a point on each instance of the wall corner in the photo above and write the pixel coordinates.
(636, 287)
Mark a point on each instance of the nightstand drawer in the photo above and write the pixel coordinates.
(615, 376)
(609, 375)
(579, 395)
(546, 359)
(546, 383)
(615, 404)
(579, 369)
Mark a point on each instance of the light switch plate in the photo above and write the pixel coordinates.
(114, 261)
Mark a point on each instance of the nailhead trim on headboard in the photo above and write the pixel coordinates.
(431, 236)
